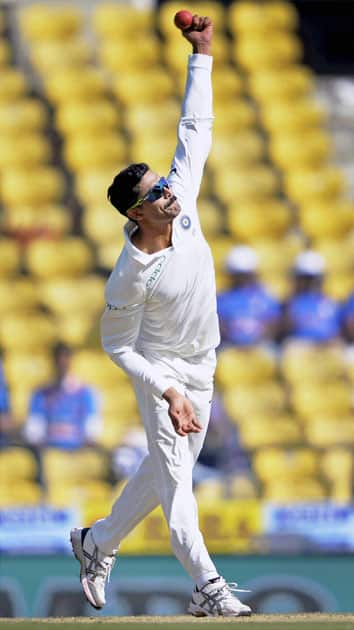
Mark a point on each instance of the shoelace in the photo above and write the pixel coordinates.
(232, 587)
(104, 567)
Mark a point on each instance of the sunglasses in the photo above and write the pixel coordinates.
(154, 193)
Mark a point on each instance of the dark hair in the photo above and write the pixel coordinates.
(61, 348)
(123, 192)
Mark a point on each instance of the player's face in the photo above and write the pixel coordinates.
(159, 204)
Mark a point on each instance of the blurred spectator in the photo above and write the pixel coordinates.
(221, 455)
(309, 314)
(65, 413)
(5, 414)
(248, 314)
(130, 453)
(348, 319)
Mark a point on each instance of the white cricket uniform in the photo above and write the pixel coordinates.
(160, 326)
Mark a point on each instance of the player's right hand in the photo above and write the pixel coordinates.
(181, 413)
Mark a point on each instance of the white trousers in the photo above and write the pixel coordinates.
(165, 475)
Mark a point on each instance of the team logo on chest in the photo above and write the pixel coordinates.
(185, 222)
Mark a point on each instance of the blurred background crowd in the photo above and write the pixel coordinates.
(86, 89)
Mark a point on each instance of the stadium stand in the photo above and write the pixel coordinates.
(79, 100)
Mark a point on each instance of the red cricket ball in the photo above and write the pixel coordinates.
(183, 19)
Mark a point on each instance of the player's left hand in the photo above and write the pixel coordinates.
(200, 33)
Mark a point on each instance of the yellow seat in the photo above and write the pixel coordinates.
(51, 220)
(236, 367)
(10, 257)
(270, 87)
(339, 284)
(297, 116)
(103, 225)
(338, 253)
(5, 53)
(120, 401)
(310, 399)
(337, 467)
(220, 248)
(252, 222)
(75, 84)
(312, 364)
(113, 21)
(27, 493)
(234, 116)
(242, 148)
(324, 220)
(251, 184)
(247, 17)
(273, 463)
(254, 52)
(92, 184)
(324, 184)
(76, 329)
(277, 256)
(64, 296)
(50, 55)
(290, 151)
(82, 495)
(159, 154)
(83, 465)
(154, 116)
(70, 257)
(42, 21)
(119, 56)
(22, 116)
(107, 254)
(76, 118)
(210, 217)
(95, 368)
(17, 464)
(272, 430)
(13, 85)
(27, 151)
(324, 431)
(28, 369)
(42, 185)
(18, 294)
(227, 84)
(244, 401)
(25, 332)
(210, 490)
(131, 88)
(95, 151)
(302, 489)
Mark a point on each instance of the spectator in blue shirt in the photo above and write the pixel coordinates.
(248, 313)
(348, 319)
(309, 314)
(65, 413)
(5, 414)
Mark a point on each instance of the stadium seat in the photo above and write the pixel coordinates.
(324, 184)
(70, 257)
(279, 86)
(242, 148)
(18, 294)
(244, 401)
(13, 85)
(309, 399)
(228, 85)
(339, 284)
(250, 184)
(131, 88)
(27, 331)
(325, 431)
(244, 367)
(337, 467)
(76, 84)
(25, 115)
(66, 295)
(91, 186)
(254, 52)
(24, 494)
(210, 217)
(297, 116)
(234, 116)
(28, 369)
(118, 57)
(338, 253)
(104, 225)
(17, 464)
(48, 56)
(120, 401)
(278, 255)
(28, 222)
(37, 186)
(82, 495)
(81, 466)
(45, 22)
(302, 489)
(5, 53)
(77, 117)
(262, 431)
(94, 367)
(210, 490)
(290, 150)
(327, 220)
(27, 151)
(247, 17)
(95, 151)
(304, 363)
(114, 21)
(10, 257)
(76, 329)
(250, 222)
(276, 464)
(158, 117)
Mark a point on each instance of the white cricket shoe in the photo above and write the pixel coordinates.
(95, 566)
(216, 599)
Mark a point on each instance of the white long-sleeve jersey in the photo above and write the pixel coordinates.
(165, 302)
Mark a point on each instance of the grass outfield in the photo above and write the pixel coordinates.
(258, 622)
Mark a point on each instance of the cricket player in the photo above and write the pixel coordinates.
(160, 326)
